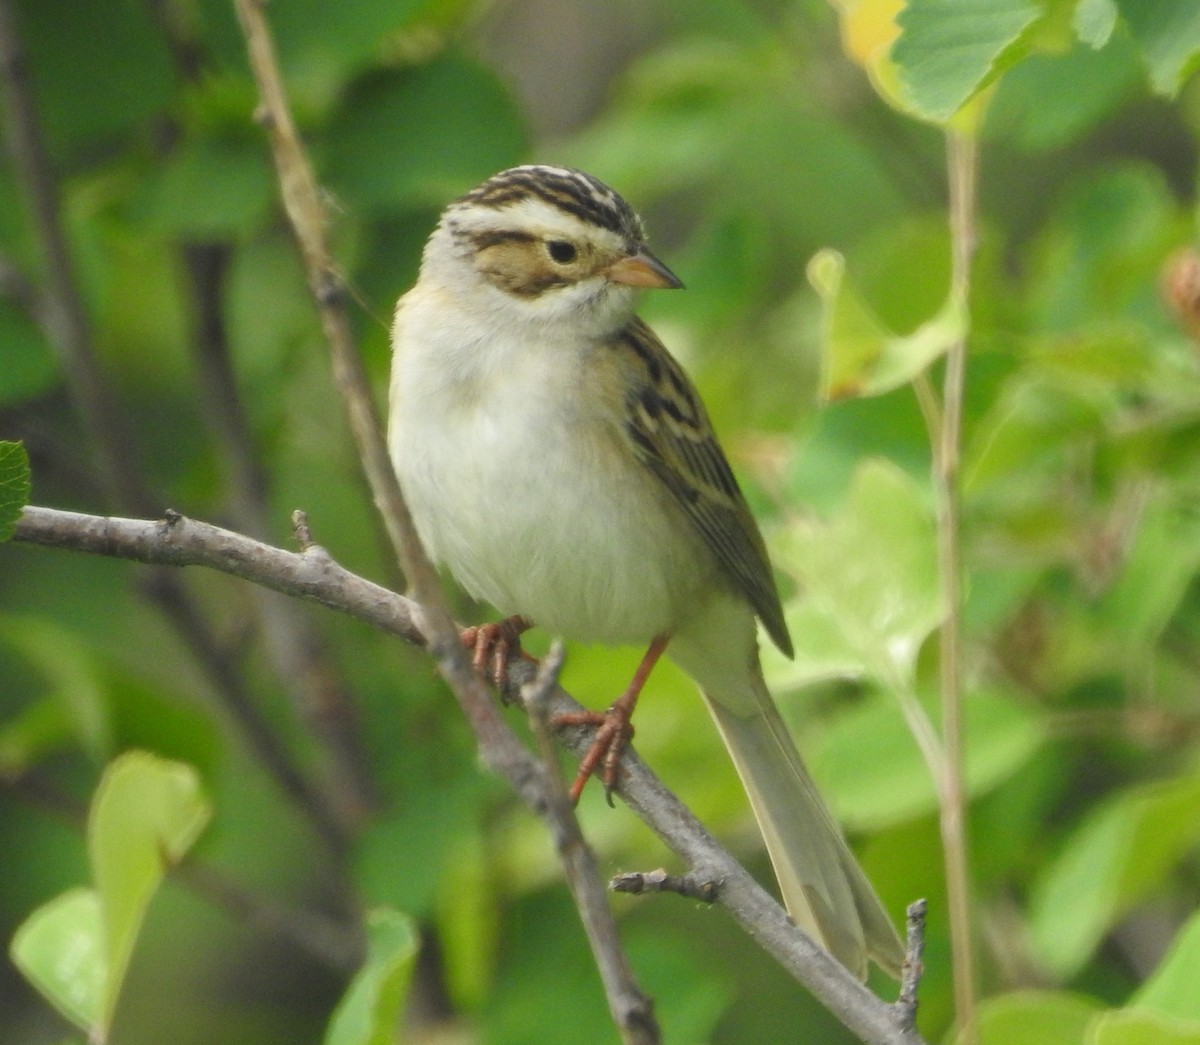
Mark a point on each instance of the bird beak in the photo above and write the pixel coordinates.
(643, 269)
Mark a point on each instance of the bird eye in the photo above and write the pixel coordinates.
(562, 251)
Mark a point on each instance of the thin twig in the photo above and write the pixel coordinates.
(632, 1010)
(303, 203)
(312, 574)
(914, 967)
(961, 169)
(660, 881)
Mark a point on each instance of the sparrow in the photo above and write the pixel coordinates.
(559, 462)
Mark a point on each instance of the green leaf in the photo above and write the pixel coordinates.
(100, 72)
(145, 815)
(14, 486)
(1137, 1027)
(949, 49)
(1034, 1018)
(370, 1009)
(412, 137)
(822, 650)
(75, 677)
(316, 63)
(210, 188)
(1168, 32)
(867, 761)
(60, 950)
(871, 570)
(32, 734)
(859, 356)
(1171, 990)
(468, 922)
(1030, 426)
(1102, 245)
(1087, 85)
(1094, 21)
(1122, 851)
(1157, 573)
(728, 125)
(29, 366)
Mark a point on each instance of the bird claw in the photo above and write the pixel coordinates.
(614, 731)
(614, 728)
(495, 643)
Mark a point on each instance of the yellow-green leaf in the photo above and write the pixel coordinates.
(370, 1009)
(871, 571)
(60, 950)
(1034, 1018)
(145, 815)
(859, 355)
(948, 50)
(1139, 1027)
(14, 486)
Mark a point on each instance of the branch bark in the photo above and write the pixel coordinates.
(499, 747)
(312, 574)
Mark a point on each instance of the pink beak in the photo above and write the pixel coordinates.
(643, 269)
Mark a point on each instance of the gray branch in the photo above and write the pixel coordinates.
(312, 574)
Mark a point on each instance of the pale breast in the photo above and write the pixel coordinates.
(522, 484)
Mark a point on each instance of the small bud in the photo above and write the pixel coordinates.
(1180, 286)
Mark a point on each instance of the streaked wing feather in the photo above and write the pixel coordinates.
(671, 435)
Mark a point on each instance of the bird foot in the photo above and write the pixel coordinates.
(494, 644)
(614, 731)
(614, 728)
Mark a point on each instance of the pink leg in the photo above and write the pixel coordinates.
(615, 727)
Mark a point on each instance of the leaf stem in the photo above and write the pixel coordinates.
(962, 168)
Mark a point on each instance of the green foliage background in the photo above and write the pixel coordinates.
(749, 141)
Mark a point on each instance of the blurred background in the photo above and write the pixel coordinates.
(341, 774)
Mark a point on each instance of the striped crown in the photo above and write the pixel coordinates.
(572, 191)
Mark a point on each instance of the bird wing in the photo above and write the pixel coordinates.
(671, 435)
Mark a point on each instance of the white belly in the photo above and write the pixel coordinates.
(534, 507)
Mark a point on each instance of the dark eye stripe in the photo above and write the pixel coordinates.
(494, 237)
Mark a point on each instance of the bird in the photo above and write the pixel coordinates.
(559, 462)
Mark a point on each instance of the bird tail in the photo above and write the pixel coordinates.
(824, 889)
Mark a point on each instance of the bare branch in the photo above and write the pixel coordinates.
(914, 967)
(303, 204)
(705, 890)
(312, 574)
(632, 1011)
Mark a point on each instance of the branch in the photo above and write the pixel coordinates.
(962, 164)
(313, 574)
(632, 1010)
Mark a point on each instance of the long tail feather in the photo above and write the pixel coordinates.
(823, 887)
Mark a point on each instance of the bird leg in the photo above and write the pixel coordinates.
(495, 642)
(614, 728)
